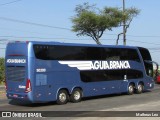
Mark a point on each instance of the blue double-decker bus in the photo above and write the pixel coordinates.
(51, 71)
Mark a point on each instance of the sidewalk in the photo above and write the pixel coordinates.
(2, 92)
(2, 95)
(2, 88)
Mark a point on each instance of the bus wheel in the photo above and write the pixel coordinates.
(130, 89)
(62, 97)
(140, 88)
(76, 95)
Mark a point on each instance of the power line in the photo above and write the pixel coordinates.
(155, 36)
(33, 32)
(145, 42)
(10, 2)
(154, 48)
(155, 51)
(129, 35)
(65, 38)
(20, 37)
(62, 28)
(31, 23)
(35, 37)
(7, 40)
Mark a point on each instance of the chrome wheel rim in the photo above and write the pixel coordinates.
(77, 95)
(131, 89)
(140, 88)
(62, 97)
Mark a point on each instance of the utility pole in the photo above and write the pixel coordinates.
(124, 24)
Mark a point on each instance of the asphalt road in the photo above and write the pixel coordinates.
(148, 101)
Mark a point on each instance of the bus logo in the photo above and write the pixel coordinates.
(110, 65)
(16, 60)
(97, 65)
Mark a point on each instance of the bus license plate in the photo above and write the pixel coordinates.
(15, 96)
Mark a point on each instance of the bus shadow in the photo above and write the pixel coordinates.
(112, 95)
(102, 96)
(29, 104)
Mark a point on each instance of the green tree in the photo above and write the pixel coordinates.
(2, 70)
(91, 21)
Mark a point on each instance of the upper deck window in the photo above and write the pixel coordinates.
(57, 52)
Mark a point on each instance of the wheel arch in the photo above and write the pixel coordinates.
(61, 89)
(133, 83)
(130, 88)
(77, 87)
(140, 82)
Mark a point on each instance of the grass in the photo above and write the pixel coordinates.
(2, 92)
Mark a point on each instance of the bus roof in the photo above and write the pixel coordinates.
(73, 44)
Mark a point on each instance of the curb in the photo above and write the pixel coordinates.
(2, 92)
(2, 89)
(2, 86)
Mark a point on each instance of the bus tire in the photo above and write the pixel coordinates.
(76, 95)
(140, 88)
(62, 97)
(130, 89)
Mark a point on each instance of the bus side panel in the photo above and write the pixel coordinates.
(47, 84)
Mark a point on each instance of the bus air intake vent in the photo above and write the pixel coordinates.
(15, 73)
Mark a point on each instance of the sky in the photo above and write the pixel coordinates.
(50, 20)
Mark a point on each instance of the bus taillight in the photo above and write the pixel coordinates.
(28, 86)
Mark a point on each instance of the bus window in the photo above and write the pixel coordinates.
(147, 57)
